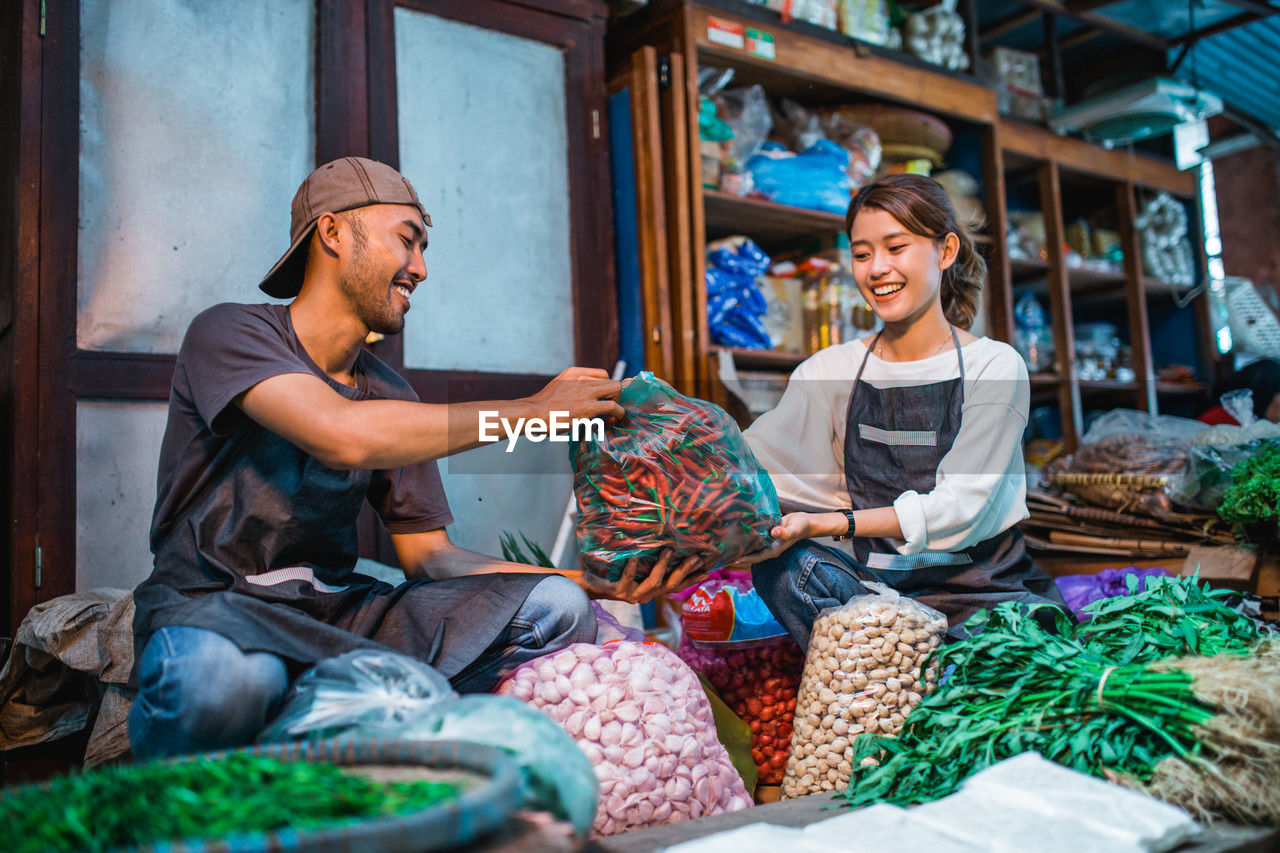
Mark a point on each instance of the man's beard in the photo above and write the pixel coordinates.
(371, 300)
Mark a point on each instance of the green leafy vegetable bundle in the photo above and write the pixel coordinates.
(141, 804)
(1111, 697)
(1254, 493)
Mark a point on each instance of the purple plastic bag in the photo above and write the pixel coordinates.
(1082, 590)
(609, 629)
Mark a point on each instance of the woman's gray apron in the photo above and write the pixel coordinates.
(265, 557)
(895, 439)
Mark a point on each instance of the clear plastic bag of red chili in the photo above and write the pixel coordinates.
(674, 473)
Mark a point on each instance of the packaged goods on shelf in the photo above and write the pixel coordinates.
(816, 179)
(1032, 336)
(864, 672)
(1019, 90)
(728, 635)
(936, 35)
(735, 304)
(865, 20)
(674, 473)
(640, 716)
(784, 314)
(820, 13)
(1026, 237)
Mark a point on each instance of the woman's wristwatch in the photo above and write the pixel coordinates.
(848, 516)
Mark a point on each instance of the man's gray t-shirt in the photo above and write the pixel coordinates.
(256, 539)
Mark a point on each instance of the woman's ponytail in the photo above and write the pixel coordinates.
(962, 283)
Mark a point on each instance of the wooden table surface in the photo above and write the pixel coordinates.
(806, 810)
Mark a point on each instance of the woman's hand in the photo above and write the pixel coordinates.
(793, 527)
(663, 579)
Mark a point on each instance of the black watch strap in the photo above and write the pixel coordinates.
(848, 515)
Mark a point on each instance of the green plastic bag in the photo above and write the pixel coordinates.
(735, 735)
(674, 473)
(380, 694)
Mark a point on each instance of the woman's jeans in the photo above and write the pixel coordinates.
(804, 580)
(198, 691)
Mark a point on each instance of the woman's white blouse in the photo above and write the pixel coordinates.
(981, 485)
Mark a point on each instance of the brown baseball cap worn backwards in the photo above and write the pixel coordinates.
(343, 184)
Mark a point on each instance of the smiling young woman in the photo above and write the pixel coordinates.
(909, 443)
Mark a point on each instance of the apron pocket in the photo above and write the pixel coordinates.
(898, 437)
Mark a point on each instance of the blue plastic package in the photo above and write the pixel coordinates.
(735, 305)
(816, 179)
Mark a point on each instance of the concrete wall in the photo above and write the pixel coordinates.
(483, 139)
(196, 127)
(1248, 187)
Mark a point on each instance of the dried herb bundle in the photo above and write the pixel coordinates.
(132, 805)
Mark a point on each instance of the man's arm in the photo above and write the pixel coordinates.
(431, 555)
(380, 434)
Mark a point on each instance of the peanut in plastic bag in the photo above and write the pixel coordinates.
(866, 668)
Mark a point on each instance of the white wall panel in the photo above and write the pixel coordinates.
(196, 127)
(491, 492)
(483, 139)
(117, 448)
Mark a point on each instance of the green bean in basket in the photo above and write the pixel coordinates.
(133, 805)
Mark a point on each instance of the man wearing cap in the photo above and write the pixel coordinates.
(281, 425)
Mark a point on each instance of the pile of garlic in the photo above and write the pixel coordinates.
(640, 715)
(863, 673)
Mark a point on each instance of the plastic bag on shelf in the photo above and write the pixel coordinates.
(796, 127)
(735, 304)
(862, 143)
(748, 115)
(376, 694)
(1129, 461)
(674, 473)
(729, 636)
(816, 179)
(865, 670)
(640, 716)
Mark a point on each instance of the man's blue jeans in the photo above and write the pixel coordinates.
(197, 691)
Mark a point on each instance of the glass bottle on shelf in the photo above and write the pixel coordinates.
(812, 318)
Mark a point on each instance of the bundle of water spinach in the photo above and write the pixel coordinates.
(147, 804)
(1166, 690)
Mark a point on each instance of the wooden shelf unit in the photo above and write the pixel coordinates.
(817, 71)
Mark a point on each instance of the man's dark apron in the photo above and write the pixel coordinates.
(895, 439)
(264, 556)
